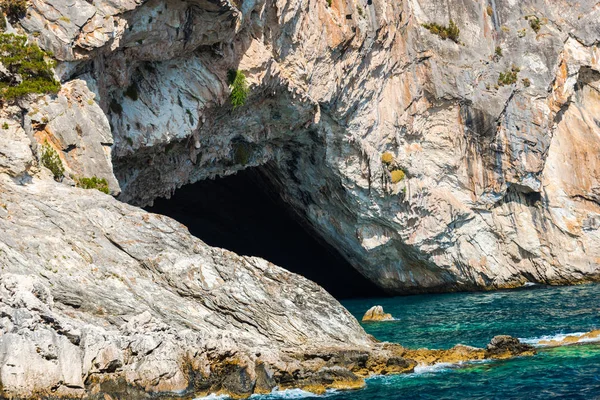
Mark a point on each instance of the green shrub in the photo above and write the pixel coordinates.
(535, 24)
(52, 161)
(526, 82)
(14, 9)
(5, 126)
(490, 11)
(509, 77)
(239, 88)
(498, 51)
(242, 152)
(329, 2)
(94, 182)
(451, 31)
(28, 61)
(397, 175)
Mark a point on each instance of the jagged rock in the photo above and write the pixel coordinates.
(103, 292)
(376, 313)
(15, 153)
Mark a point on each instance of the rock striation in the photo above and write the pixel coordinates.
(104, 299)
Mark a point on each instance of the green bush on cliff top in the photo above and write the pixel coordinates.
(239, 88)
(14, 9)
(31, 63)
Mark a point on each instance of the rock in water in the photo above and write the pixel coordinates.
(504, 346)
(376, 313)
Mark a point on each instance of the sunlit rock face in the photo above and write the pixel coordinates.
(499, 181)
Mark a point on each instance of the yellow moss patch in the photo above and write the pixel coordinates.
(397, 175)
(387, 158)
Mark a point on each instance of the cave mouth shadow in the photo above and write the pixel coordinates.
(244, 214)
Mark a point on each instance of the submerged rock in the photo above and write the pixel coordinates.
(376, 313)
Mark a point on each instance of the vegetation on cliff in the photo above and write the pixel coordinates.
(451, 31)
(239, 88)
(509, 77)
(94, 182)
(51, 160)
(14, 9)
(29, 68)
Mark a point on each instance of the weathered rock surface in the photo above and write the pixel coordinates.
(500, 185)
(376, 313)
(104, 292)
(504, 346)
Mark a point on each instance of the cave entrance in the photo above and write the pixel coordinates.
(243, 213)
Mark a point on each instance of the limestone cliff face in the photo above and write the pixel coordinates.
(501, 185)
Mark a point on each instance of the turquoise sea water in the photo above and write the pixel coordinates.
(441, 321)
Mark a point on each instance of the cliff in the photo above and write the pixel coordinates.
(494, 132)
(432, 158)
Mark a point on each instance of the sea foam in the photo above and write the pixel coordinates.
(559, 337)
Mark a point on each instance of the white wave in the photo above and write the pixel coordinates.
(290, 394)
(213, 396)
(527, 284)
(558, 337)
(425, 369)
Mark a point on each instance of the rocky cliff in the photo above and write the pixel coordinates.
(432, 162)
(437, 145)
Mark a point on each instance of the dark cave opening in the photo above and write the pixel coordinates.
(242, 213)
